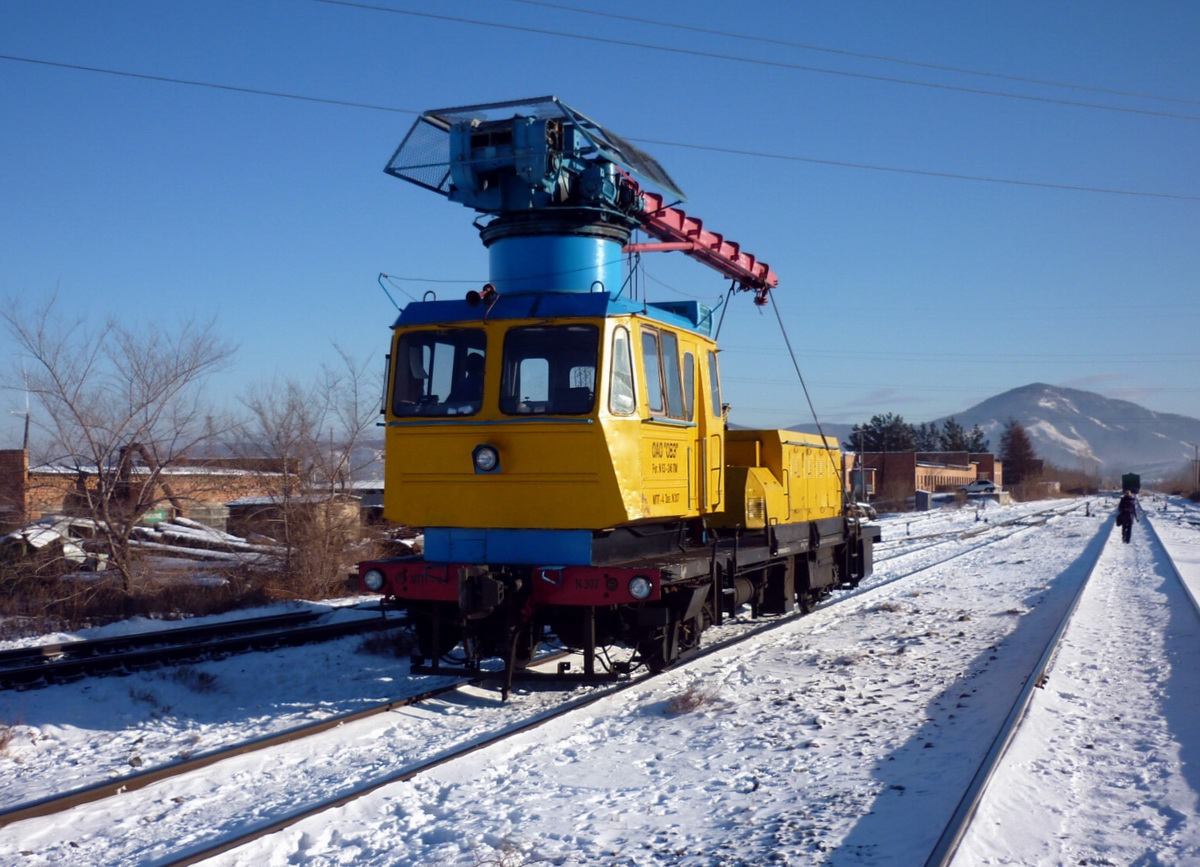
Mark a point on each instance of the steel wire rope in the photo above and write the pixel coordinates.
(837, 471)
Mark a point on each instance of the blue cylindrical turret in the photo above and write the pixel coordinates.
(553, 254)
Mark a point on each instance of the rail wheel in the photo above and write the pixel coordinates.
(522, 645)
(671, 643)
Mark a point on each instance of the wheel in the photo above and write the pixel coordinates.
(524, 643)
(671, 643)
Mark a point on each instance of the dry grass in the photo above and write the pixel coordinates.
(36, 598)
(398, 643)
(201, 682)
(691, 699)
(40, 594)
(509, 854)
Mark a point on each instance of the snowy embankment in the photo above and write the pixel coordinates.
(845, 737)
(1106, 767)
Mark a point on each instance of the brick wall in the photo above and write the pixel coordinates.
(14, 467)
(899, 474)
(28, 495)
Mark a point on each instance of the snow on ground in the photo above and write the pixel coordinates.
(843, 738)
(1113, 734)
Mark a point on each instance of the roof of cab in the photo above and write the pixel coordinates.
(690, 315)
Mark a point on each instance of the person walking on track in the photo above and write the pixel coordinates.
(1126, 515)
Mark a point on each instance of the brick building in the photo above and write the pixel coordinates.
(899, 475)
(195, 489)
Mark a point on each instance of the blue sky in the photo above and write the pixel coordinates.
(908, 282)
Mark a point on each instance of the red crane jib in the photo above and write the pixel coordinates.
(677, 231)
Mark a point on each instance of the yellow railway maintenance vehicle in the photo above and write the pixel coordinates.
(563, 445)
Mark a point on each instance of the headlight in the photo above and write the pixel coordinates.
(373, 579)
(640, 587)
(486, 459)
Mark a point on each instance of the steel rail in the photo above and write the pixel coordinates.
(98, 646)
(139, 780)
(88, 794)
(1013, 528)
(933, 540)
(1153, 531)
(947, 845)
(206, 851)
(57, 671)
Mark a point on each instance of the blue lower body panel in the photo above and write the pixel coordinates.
(508, 547)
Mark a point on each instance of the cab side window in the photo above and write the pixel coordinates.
(621, 399)
(715, 383)
(689, 386)
(652, 370)
(670, 363)
(660, 362)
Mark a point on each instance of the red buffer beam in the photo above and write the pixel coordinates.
(677, 231)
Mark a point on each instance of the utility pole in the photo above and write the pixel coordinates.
(1195, 465)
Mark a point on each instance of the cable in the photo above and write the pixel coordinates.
(842, 52)
(756, 61)
(714, 149)
(708, 148)
(837, 471)
(192, 83)
(923, 172)
(389, 278)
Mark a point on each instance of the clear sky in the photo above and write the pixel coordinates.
(958, 198)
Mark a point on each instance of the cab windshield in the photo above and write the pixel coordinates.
(550, 369)
(439, 372)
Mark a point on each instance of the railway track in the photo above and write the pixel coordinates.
(139, 780)
(261, 813)
(513, 723)
(734, 637)
(46, 664)
(925, 541)
(125, 787)
(962, 544)
(973, 811)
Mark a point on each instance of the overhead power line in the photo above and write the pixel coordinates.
(758, 61)
(842, 52)
(958, 176)
(344, 103)
(210, 84)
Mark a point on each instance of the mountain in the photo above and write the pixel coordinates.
(1080, 429)
(1077, 429)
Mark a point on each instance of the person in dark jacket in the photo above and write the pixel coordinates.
(1126, 515)
(469, 389)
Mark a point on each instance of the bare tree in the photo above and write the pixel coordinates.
(313, 436)
(116, 404)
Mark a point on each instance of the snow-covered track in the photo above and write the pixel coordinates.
(286, 818)
(57, 663)
(993, 530)
(1189, 587)
(963, 543)
(132, 782)
(972, 807)
(140, 780)
(402, 774)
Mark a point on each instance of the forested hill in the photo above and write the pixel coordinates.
(1072, 428)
